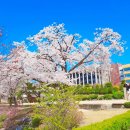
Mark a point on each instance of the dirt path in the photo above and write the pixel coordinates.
(93, 116)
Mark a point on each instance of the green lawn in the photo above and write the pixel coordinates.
(119, 122)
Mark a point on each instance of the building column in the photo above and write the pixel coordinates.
(87, 77)
(99, 75)
(72, 78)
(79, 78)
(69, 77)
(91, 77)
(76, 78)
(96, 76)
(83, 78)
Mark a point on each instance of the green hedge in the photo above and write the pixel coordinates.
(86, 97)
(120, 122)
(96, 90)
(127, 104)
(115, 95)
(118, 95)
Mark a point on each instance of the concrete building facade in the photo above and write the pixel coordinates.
(125, 73)
(90, 76)
(115, 74)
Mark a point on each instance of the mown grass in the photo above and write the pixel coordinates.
(119, 122)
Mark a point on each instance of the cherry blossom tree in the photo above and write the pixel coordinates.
(65, 52)
(57, 54)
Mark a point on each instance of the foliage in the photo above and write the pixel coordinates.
(100, 97)
(58, 108)
(36, 121)
(122, 84)
(97, 89)
(107, 90)
(120, 122)
(118, 95)
(2, 119)
(94, 96)
(89, 92)
(19, 94)
(127, 104)
(116, 88)
(86, 97)
(108, 96)
(91, 97)
(28, 128)
(108, 85)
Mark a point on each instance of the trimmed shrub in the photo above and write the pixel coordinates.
(93, 96)
(96, 89)
(108, 85)
(100, 97)
(116, 88)
(127, 104)
(118, 95)
(83, 90)
(86, 97)
(105, 91)
(108, 96)
(120, 122)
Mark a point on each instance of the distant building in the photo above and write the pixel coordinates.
(115, 74)
(90, 76)
(120, 72)
(125, 73)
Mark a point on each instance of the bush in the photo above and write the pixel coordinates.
(36, 121)
(93, 96)
(58, 109)
(2, 119)
(108, 85)
(122, 84)
(120, 122)
(116, 88)
(83, 98)
(87, 97)
(108, 96)
(127, 104)
(118, 95)
(100, 97)
(83, 90)
(96, 89)
(1, 125)
(28, 128)
(105, 91)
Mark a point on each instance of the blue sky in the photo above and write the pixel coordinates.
(21, 18)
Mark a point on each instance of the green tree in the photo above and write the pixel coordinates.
(58, 109)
